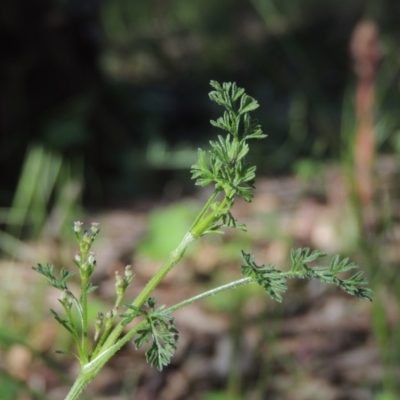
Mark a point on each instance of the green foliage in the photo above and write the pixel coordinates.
(385, 396)
(9, 386)
(355, 285)
(226, 167)
(47, 272)
(62, 321)
(274, 280)
(232, 176)
(47, 184)
(160, 329)
(221, 396)
(270, 278)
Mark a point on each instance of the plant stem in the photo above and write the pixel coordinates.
(107, 329)
(74, 332)
(205, 223)
(113, 343)
(204, 210)
(84, 317)
(91, 369)
(200, 225)
(174, 257)
(212, 292)
(79, 385)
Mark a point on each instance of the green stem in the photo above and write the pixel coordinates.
(107, 329)
(172, 260)
(113, 343)
(204, 210)
(212, 292)
(78, 387)
(90, 370)
(74, 332)
(174, 257)
(202, 225)
(84, 318)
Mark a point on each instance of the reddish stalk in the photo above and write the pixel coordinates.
(366, 54)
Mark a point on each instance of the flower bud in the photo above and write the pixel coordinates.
(77, 226)
(86, 238)
(66, 299)
(128, 273)
(91, 258)
(78, 257)
(120, 285)
(94, 229)
(85, 242)
(98, 325)
(84, 267)
(110, 317)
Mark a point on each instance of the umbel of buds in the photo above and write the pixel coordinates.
(85, 259)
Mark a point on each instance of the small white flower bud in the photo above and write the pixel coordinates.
(77, 226)
(78, 257)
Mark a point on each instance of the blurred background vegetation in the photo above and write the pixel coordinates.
(105, 102)
(119, 87)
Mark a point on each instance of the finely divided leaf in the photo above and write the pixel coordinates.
(247, 104)
(61, 321)
(329, 274)
(268, 277)
(226, 167)
(47, 272)
(161, 330)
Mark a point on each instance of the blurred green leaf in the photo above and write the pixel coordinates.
(160, 238)
(385, 396)
(221, 396)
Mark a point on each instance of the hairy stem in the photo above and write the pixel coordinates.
(204, 210)
(212, 292)
(201, 224)
(90, 370)
(84, 317)
(74, 332)
(205, 223)
(174, 257)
